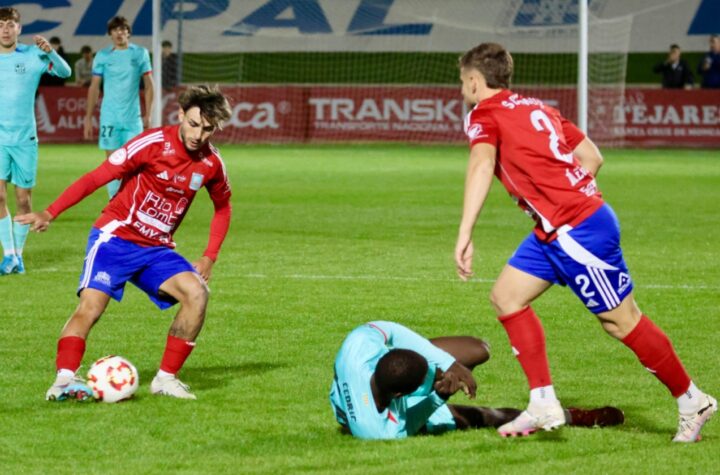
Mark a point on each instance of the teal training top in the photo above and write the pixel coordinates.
(121, 70)
(20, 72)
(351, 396)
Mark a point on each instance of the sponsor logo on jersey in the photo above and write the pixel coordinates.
(196, 181)
(103, 278)
(20, 68)
(168, 149)
(118, 157)
(179, 179)
(475, 131)
(624, 282)
(170, 189)
(163, 175)
(181, 205)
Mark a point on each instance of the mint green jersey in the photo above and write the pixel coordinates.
(351, 396)
(121, 70)
(20, 72)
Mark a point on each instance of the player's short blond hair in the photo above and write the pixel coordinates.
(214, 106)
(9, 13)
(493, 61)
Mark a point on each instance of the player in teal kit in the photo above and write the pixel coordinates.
(119, 68)
(20, 69)
(390, 383)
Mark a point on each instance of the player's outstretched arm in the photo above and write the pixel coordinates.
(589, 156)
(219, 227)
(38, 222)
(60, 67)
(481, 167)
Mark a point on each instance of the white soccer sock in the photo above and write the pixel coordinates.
(164, 374)
(689, 401)
(6, 236)
(65, 374)
(543, 395)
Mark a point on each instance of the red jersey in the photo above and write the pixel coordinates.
(534, 159)
(159, 181)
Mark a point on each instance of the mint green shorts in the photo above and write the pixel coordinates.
(18, 164)
(114, 136)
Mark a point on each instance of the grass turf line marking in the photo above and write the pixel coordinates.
(433, 279)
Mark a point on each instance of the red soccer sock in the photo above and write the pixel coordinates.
(655, 351)
(177, 351)
(527, 339)
(70, 351)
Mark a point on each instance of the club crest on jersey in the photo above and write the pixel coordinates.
(196, 181)
(118, 157)
(20, 68)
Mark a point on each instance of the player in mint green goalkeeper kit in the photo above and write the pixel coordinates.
(119, 68)
(20, 69)
(391, 383)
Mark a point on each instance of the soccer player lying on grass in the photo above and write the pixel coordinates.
(549, 166)
(132, 240)
(391, 383)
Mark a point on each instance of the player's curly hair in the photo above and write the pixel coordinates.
(493, 61)
(214, 106)
(118, 22)
(9, 13)
(400, 371)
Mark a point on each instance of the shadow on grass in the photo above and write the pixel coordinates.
(216, 376)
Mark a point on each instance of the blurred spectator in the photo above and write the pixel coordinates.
(48, 79)
(169, 66)
(709, 67)
(83, 67)
(675, 71)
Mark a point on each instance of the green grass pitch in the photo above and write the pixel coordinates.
(323, 239)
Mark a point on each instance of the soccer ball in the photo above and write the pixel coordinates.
(112, 379)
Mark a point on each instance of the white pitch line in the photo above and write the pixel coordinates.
(392, 278)
(435, 279)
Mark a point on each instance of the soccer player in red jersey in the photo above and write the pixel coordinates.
(549, 166)
(161, 171)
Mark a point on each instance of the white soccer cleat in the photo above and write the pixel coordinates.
(171, 386)
(68, 388)
(690, 425)
(537, 416)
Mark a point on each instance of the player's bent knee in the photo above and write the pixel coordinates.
(195, 295)
(481, 351)
(504, 302)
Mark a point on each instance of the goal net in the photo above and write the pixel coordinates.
(377, 70)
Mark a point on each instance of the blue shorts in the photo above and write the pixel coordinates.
(114, 136)
(110, 262)
(18, 164)
(587, 258)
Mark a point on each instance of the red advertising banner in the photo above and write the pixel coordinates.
(416, 114)
(433, 114)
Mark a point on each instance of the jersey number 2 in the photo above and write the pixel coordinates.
(542, 123)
